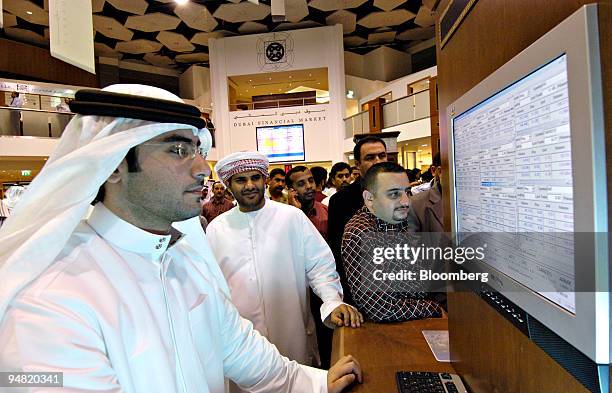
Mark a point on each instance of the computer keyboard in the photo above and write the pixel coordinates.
(426, 382)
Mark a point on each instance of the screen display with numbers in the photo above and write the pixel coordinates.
(282, 143)
(513, 174)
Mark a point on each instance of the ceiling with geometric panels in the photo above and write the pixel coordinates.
(166, 34)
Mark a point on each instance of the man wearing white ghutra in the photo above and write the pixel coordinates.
(130, 299)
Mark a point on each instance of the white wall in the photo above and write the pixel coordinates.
(194, 84)
(27, 146)
(361, 87)
(313, 117)
(383, 63)
(414, 129)
(386, 64)
(398, 87)
(306, 48)
(353, 64)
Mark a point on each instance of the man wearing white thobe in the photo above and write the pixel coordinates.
(130, 299)
(270, 253)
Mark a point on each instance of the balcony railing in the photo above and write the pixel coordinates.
(400, 111)
(406, 109)
(356, 124)
(279, 103)
(46, 124)
(33, 122)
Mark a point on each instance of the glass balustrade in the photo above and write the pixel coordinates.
(400, 111)
(32, 122)
(278, 103)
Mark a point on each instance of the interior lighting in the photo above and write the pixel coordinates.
(181, 2)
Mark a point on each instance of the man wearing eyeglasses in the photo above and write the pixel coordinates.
(130, 299)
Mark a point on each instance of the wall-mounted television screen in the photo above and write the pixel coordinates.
(282, 143)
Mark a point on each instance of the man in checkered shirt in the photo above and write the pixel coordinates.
(383, 223)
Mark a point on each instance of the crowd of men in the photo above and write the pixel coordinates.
(346, 208)
(136, 286)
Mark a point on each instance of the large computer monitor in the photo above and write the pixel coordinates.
(527, 171)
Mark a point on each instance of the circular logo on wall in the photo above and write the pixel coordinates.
(275, 51)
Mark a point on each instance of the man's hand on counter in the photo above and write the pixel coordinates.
(343, 373)
(345, 315)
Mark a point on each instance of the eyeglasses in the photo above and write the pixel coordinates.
(183, 150)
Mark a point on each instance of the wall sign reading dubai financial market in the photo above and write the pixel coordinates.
(275, 52)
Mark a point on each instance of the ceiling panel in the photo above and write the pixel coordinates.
(27, 11)
(242, 12)
(388, 5)
(347, 19)
(252, 28)
(132, 6)
(380, 38)
(385, 19)
(334, 5)
(134, 27)
(138, 46)
(155, 21)
(296, 10)
(111, 28)
(175, 41)
(425, 17)
(196, 16)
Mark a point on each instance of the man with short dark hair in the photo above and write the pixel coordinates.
(300, 183)
(354, 174)
(270, 253)
(130, 298)
(17, 100)
(320, 177)
(301, 186)
(342, 205)
(380, 224)
(276, 186)
(218, 204)
(427, 213)
(338, 179)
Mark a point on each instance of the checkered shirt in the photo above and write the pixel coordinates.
(379, 300)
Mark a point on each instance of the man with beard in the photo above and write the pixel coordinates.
(338, 179)
(270, 253)
(130, 298)
(302, 186)
(302, 192)
(343, 204)
(382, 223)
(218, 204)
(276, 186)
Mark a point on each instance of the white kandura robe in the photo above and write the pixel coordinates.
(269, 257)
(121, 311)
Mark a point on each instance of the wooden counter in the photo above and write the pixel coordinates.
(383, 349)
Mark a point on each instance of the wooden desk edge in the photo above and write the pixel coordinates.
(337, 350)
